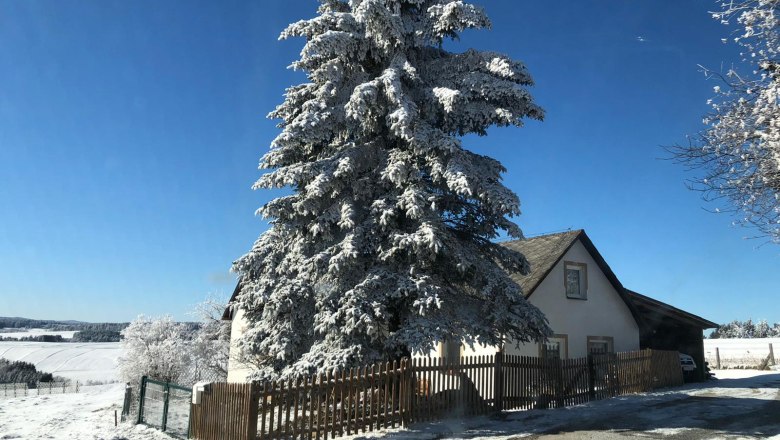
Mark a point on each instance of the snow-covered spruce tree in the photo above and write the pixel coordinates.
(384, 247)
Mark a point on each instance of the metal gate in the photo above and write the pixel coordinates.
(165, 406)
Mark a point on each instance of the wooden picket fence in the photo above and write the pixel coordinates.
(391, 394)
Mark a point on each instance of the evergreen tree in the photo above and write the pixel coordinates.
(384, 247)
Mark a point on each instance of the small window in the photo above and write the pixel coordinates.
(450, 350)
(576, 280)
(557, 346)
(600, 344)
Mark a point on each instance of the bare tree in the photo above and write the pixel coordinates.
(737, 156)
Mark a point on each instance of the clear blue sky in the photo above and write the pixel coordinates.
(130, 134)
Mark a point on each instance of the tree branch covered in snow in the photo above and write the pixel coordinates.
(738, 154)
(385, 245)
(182, 353)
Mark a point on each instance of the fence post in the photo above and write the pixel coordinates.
(717, 357)
(771, 355)
(559, 391)
(498, 382)
(591, 378)
(141, 396)
(407, 387)
(165, 406)
(254, 396)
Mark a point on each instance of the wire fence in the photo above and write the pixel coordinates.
(10, 390)
(165, 406)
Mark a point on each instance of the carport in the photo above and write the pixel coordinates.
(666, 327)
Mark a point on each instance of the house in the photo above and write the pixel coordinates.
(584, 302)
(587, 307)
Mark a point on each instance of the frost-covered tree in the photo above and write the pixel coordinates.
(209, 344)
(738, 154)
(385, 244)
(154, 347)
(746, 330)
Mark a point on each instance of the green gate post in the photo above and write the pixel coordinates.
(141, 396)
(165, 405)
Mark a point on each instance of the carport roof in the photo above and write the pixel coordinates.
(654, 310)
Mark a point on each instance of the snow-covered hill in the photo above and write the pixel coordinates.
(95, 361)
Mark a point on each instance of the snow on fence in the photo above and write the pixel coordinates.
(38, 389)
(387, 395)
(742, 353)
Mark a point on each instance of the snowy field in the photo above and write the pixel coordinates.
(88, 415)
(741, 404)
(16, 334)
(740, 353)
(87, 361)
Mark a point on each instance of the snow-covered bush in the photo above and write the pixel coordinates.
(209, 344)
(154, 347)
(183, 353)
(386, 245)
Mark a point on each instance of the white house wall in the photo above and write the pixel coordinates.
(603, 313)
(237, 372)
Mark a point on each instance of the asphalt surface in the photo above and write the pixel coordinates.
(702, 416)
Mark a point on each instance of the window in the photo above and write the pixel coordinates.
(576, 280)
(600, 344)
(450, 350)
(557, 346)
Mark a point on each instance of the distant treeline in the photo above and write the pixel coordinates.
(36, 338)
(96, 336)
(747, 330)
(62, 325)
(22, 372)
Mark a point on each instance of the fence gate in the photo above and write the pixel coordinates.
(165, 406)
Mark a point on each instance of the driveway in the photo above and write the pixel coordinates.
(742, 404)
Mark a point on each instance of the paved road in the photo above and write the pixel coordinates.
(751, 410)
(730, 408)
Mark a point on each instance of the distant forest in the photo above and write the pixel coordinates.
(85, 331)
(62, 326)
(746, 330)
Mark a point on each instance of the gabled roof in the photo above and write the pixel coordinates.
(227, 315)
(543, 252)
(657, 311)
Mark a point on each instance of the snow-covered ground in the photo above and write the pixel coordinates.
(95, 361)
(88, 415)
(740, 353)
(741, 404)
(16, 333)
